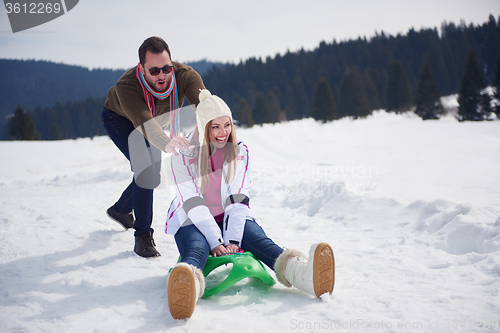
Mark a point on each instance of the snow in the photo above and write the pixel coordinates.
(410, 207)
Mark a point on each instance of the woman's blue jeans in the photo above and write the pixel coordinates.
(193, 246)
(135, 198)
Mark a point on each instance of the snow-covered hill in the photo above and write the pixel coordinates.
(411, 208)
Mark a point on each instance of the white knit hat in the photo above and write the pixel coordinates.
(209, 108)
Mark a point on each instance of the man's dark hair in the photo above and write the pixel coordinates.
(154, 45)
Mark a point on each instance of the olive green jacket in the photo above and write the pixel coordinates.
(126, 98)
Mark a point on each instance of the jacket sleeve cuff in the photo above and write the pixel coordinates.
(234, 224)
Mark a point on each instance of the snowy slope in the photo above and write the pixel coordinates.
(411, 208)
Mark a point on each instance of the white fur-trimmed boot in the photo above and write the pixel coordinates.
(185, 286)
(315, 275)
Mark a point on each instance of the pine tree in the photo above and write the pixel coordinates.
(274, 107)
(490, 47)
(428, 97)
(64, 120)
(82, 121)
(371, 90)
(260, 109)
(21, 126)
(245, 114)
(292, 109)
(398, 88)
(55, 132)
(496, 86)
(353, 101)
(301, 98)
(324, 108)
(474, 102)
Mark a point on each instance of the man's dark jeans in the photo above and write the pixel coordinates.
(138, 199)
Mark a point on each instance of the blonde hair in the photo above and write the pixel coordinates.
(206, 151)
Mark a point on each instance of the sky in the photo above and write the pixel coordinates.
(107, 34)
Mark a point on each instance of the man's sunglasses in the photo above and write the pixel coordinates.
(156, 71)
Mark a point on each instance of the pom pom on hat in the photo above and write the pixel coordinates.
(204, 94)
(209, 108)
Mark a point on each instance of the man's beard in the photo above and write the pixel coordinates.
(156, 84)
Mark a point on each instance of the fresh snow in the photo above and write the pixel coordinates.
(410, 207)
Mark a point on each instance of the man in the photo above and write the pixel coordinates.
(155, 87)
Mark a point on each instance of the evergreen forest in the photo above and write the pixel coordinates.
(337, 79)
(383, 72)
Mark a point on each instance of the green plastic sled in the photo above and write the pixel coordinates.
(244, 265)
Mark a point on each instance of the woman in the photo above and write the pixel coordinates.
(211, 214)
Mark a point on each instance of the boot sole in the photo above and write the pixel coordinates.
(152, 257)
(121, 224)
(323, 270)
(181, 292)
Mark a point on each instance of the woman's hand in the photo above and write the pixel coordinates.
(223, 250)
(231, 248)
(219, 250)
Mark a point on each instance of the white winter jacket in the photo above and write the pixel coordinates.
(189, 206)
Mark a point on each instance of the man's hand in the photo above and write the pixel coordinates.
(177, 142)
